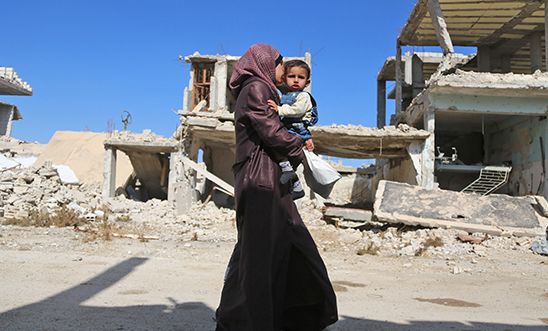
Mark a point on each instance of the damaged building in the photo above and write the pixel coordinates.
(487, 111)
(11, 84)
(207, 132)
(463, 123)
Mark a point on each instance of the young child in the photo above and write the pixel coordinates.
(297, 112)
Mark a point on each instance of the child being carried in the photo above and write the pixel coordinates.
(297, 112)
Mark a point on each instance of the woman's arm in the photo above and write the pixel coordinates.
(268, 126)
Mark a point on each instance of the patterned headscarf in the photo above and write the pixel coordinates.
(259, 61)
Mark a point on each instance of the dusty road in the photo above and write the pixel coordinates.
(51, 280)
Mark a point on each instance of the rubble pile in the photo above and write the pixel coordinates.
(23, 190)
(41, 189)
(146, 136)
(160, 217)
(394, 241)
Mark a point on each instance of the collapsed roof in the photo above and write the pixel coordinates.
(506, 27)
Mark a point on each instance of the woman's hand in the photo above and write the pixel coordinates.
(309, 145)
(272, 105)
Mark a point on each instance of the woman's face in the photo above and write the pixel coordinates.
(279, 73)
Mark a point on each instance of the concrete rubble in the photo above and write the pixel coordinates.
(24, 190)
(494, 214)
(461, 78)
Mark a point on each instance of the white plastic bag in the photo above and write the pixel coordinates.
(319, 175)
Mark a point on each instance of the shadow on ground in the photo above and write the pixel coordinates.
(355, 324)
(64, 311)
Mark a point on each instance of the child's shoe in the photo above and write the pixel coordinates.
(288, 174)
(297, 191)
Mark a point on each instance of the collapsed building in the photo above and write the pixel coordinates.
(463, 123)
(11, 84)
(486, 111)
(207, 132)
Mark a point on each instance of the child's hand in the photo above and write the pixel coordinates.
(309, 145)
(272, 105)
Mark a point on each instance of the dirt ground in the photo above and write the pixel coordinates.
(56, 279)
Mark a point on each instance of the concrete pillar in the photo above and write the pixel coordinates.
(506, 64)
(381, 103)
(398, 79)
(308, 60)
(546, 33)
(186, 99)
(10, 122)
(172, 178)
(221, 79)
(181, 185)
(109, 172)
(417, 69)
(484, 59)
(428, 156)
(535, 45)
(408, 69)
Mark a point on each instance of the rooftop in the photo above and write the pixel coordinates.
(12, 84)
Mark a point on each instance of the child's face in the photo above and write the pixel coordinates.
(296, 78)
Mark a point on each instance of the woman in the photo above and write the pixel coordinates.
(275, 279)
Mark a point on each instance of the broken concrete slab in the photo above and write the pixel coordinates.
(202, 121)
(348, 141)
(227, 188)
(350, 214)
(494, 214)
(543, 204)
(66, 174)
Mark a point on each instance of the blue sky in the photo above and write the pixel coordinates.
(88, 61)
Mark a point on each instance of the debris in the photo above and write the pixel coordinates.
(494, 214)
(543, 205)
(540, 246)
(472, 239)
(66, 175)
(227, 188)
(350, 214)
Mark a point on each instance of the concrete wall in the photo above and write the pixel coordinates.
(518, 140)
(6, 115)
(400, 170)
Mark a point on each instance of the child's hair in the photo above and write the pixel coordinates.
(297, 63)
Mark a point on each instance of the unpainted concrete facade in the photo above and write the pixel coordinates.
(8, 114)
(207, 128)
(489, 108)
(11, 84)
